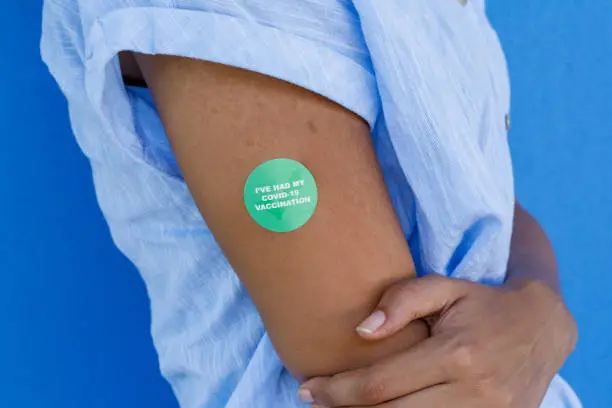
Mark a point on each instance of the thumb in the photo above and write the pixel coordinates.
(409, 300)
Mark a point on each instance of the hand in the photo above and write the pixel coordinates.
(489, 347)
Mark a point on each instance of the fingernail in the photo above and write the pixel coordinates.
(305, 395)
(372, 323)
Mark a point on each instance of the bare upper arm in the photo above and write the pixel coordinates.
(314, 285)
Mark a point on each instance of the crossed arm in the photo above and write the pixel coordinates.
(488, 347)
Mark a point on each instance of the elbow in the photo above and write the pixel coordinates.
(318, 355)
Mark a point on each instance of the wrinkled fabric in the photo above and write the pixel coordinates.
(430, 79)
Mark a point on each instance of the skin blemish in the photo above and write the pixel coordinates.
(312, 126)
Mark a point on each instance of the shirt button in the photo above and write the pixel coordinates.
(507, 120)
(463, 2)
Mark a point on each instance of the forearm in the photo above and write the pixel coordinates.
(532, 257)
(532, 268)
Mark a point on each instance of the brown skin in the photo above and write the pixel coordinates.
(129, 67)
(314, 285)
(531, 254)
(490, 347)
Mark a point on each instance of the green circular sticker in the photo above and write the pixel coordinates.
(281, 195)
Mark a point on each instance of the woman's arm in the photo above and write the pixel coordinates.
(531, 254)
(490, 346)
(314, 285)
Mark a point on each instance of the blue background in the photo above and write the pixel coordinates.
(74, 313)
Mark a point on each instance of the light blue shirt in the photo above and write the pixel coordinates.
(428, 76)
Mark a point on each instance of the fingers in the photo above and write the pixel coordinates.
(418, 368)
(409, 300)
(439, 396)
